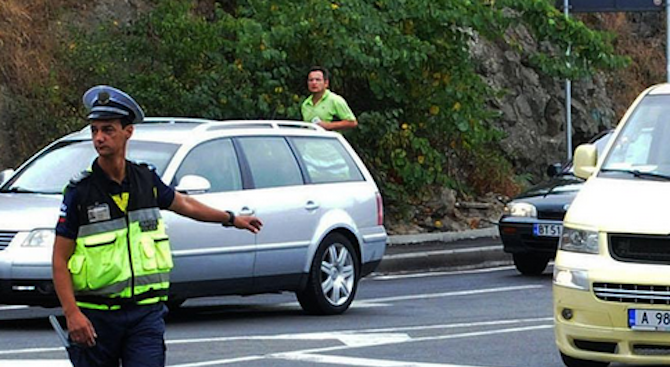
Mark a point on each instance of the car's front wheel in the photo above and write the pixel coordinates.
(530, 264)
(333, 277)
(576, 362)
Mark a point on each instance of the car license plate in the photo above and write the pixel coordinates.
(650, 320)
(547, 230)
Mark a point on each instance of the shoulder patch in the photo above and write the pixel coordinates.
(150, 166)
(77, 178)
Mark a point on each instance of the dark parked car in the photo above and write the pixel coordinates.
(532, 222)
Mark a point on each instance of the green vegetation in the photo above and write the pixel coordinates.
(404, 66)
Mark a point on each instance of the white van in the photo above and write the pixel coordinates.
(612, 272)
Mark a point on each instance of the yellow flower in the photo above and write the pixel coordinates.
(279, 90)
(434, 110)
(262, 47)
(457, 106)
(116, 23)
(421, 159)
(73, 46)
(438, 224)
(296, 98)
(404, 126)
(274, 7)
(334, 6)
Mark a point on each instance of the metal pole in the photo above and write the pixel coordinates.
(667, 40)
(568, 95)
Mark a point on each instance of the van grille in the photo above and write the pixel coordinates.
(651, 350)
(5, 239)
(633, 293)
(640, 248)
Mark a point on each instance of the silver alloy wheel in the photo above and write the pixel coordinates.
(337, 274)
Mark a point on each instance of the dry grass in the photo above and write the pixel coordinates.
(647, 56)
(27, 42)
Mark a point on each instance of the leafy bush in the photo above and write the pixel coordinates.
(404, 66)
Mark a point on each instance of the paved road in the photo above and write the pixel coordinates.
(487, 317)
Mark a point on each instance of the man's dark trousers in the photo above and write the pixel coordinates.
(132, 334)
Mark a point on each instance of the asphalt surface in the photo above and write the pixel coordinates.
(474, 249)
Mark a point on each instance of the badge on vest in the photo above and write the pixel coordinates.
(148, 225)
(98, 213)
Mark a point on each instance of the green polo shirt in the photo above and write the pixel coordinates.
(331, 107)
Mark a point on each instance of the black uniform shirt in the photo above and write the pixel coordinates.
(68, 220)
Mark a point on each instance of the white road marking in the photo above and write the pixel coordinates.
(449, 294)
(220, 361)
(350, 339)
(35, 363)
(30, 350)
(440, 273)
(309, 355)
(413, 255)
(364, 362)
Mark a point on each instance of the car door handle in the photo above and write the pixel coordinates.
(311, 205)
(246, 211)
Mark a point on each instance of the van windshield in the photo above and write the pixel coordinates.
(51, 171)
(643, 146)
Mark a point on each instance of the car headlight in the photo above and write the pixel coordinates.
(571, 278)
(40, 238)
(520, 210)
(579, 240)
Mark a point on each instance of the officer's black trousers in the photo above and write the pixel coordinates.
(132, 336)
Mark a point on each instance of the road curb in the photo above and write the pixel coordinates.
(444, 251)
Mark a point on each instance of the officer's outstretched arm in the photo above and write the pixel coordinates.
(80, 328)
(192, 208)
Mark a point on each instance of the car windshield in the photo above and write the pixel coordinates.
(51, 171)
(642, 150)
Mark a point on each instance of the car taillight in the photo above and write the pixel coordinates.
(380, 210)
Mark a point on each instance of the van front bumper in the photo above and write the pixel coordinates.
(592, 329)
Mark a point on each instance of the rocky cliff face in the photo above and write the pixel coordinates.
(533, 107)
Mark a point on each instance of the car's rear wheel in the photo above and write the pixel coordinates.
(333, 277)
(530, 264)
(576, 362)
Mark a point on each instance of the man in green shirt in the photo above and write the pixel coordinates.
(323, 107)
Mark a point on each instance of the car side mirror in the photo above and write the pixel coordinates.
(193, 184)
(554, 169)
(5, 175)
(586, 158)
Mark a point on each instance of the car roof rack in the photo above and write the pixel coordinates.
(257, 124)
(213, 125)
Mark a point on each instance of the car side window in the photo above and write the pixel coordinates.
(216, 161)
(326, 160)
(271, 162)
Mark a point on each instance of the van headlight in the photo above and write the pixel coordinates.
(520, 210)
(579, 240)
(571, 278)
(40, 238)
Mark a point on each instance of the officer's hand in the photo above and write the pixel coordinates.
(249, 223)
(81, 330)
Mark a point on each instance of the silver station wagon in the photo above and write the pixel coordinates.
(322, 212)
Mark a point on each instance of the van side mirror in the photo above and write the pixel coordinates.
(5, 175)
(585, 160)
(193, 184)
(554, 169)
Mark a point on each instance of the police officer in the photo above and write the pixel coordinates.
(111, 258)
